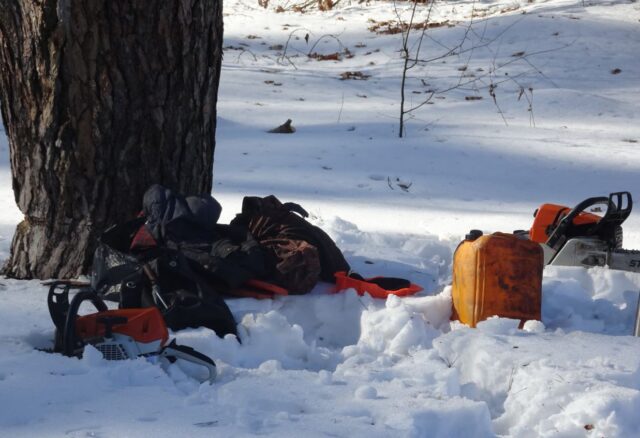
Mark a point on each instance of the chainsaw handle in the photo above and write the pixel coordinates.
(559, 234)
(58, 303)
(619, 205)
(183, 352)
(69, 340)
(617, 211)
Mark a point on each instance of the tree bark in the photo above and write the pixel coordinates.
(101, 99)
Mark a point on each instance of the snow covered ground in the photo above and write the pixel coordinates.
(343, 365)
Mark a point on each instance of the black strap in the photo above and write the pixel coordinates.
(297, 208)
(386, 283)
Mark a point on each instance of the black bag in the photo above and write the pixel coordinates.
(159, 276)
(173, 218)
(232, 258)
(277, 227)
(228, 255)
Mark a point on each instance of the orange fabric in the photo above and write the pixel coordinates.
(497, 274)
(343, 282)
(270, 287)
(143, 325)
(258, 289)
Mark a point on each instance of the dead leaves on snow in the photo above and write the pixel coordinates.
(392, 27)
(336, 56)
(397, 182)
(355, 75)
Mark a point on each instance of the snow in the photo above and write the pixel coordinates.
(328, 364)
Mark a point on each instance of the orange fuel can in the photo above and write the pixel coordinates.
(497, 274)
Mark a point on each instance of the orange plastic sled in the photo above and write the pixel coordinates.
(377, 287)
(258, 289)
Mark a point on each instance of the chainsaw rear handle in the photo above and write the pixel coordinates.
(616, 213)
(175, 351)
(58, 303)
(620, 212)
(69, 341)
(58, 299)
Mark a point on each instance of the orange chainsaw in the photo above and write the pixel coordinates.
(579, 236)
(117, 334)
(589, 234)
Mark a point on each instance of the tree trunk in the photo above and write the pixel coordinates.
(100, 99)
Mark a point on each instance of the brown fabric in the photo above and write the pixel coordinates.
(269, 220)
(298, 264)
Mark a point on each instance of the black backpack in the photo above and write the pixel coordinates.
(158, 276)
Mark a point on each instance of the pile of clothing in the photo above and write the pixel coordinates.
(176, 256)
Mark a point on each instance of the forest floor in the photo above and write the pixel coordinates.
(537, 102)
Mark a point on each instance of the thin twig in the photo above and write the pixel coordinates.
(286, 47)
(243, 51)
(488, 74)
(323, 37)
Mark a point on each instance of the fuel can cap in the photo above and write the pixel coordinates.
(473, 235)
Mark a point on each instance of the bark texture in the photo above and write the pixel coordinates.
(100, 99)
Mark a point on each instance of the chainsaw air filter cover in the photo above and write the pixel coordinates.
(125, 333)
